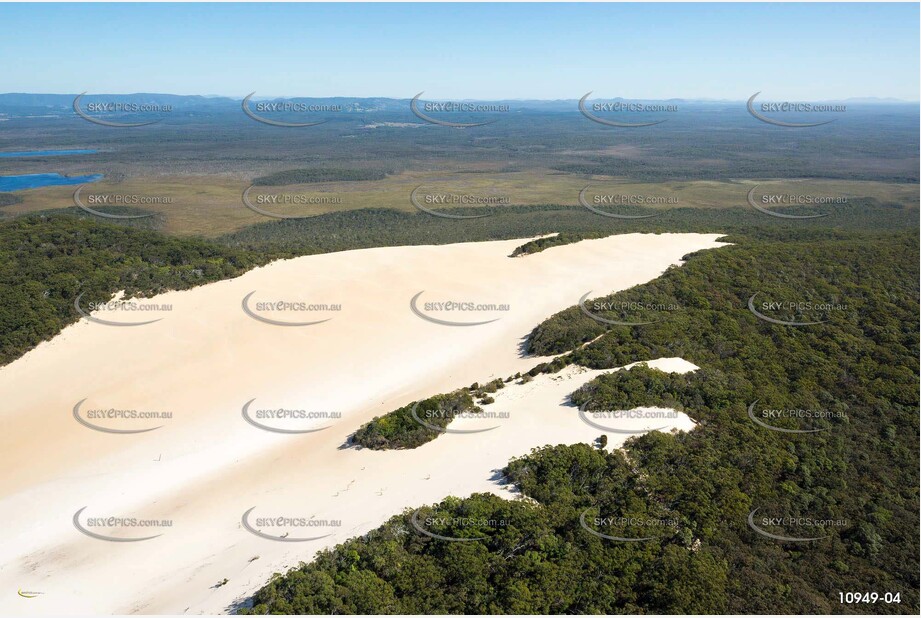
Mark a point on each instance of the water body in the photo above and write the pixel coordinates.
(44, 153)
(34, 181)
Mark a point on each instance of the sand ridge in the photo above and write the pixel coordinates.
(205, 466)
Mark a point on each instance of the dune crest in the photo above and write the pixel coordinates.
(366, 351)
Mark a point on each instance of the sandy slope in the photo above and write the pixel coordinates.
(205, 466)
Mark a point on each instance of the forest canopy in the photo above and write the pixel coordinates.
(857, 476)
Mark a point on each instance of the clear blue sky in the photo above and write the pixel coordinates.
(516, 51)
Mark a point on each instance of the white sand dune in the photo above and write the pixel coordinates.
(205, 466)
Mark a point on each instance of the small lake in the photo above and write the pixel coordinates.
(34, 181)
(45, 153)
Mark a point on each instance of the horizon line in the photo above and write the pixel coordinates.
(409, 98)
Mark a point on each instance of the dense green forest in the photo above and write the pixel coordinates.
(859, 474)
(377, 227)
(304, 176)
(861, 364)
(703, 141)
(43, 305)
(689, 495)
(46, 261)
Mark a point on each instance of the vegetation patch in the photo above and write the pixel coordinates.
(306, 176)
(46, 261)
(858, 473)
(8, 199)
(414, 424)
(380, 227)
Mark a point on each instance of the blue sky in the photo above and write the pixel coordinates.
(483, 51)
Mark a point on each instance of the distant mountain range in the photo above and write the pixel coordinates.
(60, 102)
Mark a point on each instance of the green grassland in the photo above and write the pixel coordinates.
(212, 206)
